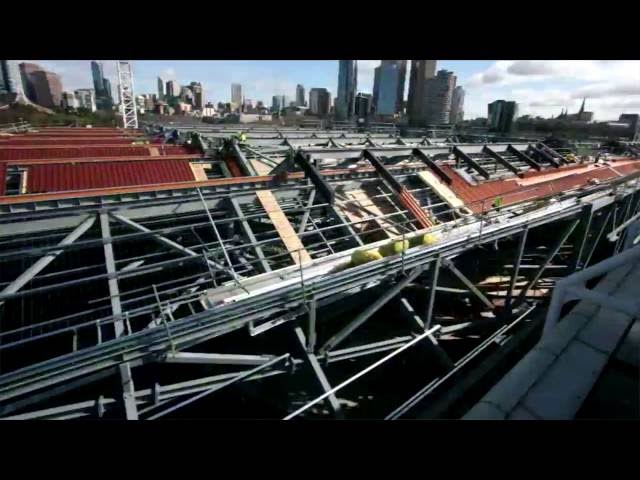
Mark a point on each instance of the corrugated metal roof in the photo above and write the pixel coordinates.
(86, 176)
(3, 177)
(57, 141)
(22, 153)
(479, 198)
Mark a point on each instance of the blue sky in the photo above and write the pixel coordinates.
(540, 87)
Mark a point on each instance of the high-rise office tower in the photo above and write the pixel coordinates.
(438, 92)
(236, 94)
(421, 71)
(362, 105)
(48, 88)
(347, 86)
(319, 101)
(300, 97)
(198, 95)
(107, 91)
(161, 88)
(457, 106)
(26, 71)
(173, 89)
(10, 81)
(388, 87)
(98, 78)
(502, 115)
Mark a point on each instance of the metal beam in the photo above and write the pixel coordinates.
(307, 212)
(163, 240)
(563, 238)
(363, 372)
(523, 157)
(501, 160)
(516, 270)
(217, 358)
(249, 233)
(432, 165)
(233, 380)
(312, 361)
(435, 271)
(41, 264)
(245, 165)
(545, 155)
(318, 180)
(450, 265)
(597, 240)
(336, 339)
(124, 369)
(470, 162)
(382, 171)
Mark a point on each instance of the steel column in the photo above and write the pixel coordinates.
(312, 361)
(516, 270)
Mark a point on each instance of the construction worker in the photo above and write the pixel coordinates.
(497, 203)
(243, 137)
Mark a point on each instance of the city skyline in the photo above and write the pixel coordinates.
(541, 88)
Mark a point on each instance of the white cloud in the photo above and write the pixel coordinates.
(550, 85)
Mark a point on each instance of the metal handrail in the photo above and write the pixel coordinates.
(573, 288)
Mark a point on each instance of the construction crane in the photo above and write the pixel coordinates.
(127, 99)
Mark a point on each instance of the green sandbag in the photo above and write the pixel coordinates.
(360, 257)
(394, 248)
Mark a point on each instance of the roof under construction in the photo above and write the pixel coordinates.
(282, 256)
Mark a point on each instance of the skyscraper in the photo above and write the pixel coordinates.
(319, 101)
(438, 92)
(161, 88)
(502, 115)
(48, 88)
(388, 86)
(10, 81)
(198, 95)
(107, 91)
(300, 97)
(362, 106)
(421, 71)
(457, 106)
(347, 86)
(236, 94)
(98, 78)
(173, 89)
(26, 72)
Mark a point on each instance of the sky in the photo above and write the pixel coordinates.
(541, 87)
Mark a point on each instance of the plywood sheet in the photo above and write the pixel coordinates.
(198, 172)
(286, 232)
(444, 192)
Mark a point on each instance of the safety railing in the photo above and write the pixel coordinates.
(574, 287)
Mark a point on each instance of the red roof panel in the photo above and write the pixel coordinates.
(86, 176)
(42, 152)
(3, 177)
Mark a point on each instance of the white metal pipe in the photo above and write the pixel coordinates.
(363, 372)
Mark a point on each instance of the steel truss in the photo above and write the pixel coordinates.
(174, 272)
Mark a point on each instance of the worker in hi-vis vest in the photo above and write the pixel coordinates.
(497, 203)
